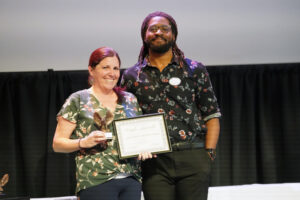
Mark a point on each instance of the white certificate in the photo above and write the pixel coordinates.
(146, 133)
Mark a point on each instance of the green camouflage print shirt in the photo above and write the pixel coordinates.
(95, 166)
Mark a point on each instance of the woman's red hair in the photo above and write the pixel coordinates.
(97, 56)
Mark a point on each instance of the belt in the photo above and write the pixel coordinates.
(185, 145)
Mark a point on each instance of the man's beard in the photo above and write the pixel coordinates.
(163, 48)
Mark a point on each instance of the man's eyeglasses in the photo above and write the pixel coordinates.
(163, 28)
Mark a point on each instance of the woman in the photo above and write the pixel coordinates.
(100, 173)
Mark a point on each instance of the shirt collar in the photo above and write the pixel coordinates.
(147, 63)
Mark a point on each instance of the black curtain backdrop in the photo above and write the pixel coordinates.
(259, 141)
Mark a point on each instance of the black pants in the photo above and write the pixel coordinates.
(116, 189)
(180, 175)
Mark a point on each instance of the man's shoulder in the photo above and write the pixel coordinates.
(133, 68)
(193, 63)
(131, 72)
(194, 67)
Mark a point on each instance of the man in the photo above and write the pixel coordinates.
(165, 82)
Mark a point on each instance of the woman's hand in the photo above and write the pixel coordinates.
(94, 138)
(63, 143)
(146, 155)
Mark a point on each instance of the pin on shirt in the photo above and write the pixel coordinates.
(174, 81)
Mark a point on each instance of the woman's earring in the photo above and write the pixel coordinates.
(90, 80)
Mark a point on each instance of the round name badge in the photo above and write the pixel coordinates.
(174, 81)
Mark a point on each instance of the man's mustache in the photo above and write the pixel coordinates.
(161, 37)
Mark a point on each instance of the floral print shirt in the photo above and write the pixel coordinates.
(184, 94)
(95, 165)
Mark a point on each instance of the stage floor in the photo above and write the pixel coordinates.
(286, 191)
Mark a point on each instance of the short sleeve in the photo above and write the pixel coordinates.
(70, 109)
(205, 96)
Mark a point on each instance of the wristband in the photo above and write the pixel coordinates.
(212, 153)
(79, 143)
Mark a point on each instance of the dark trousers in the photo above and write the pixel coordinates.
(116, 189)
(179, 175)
